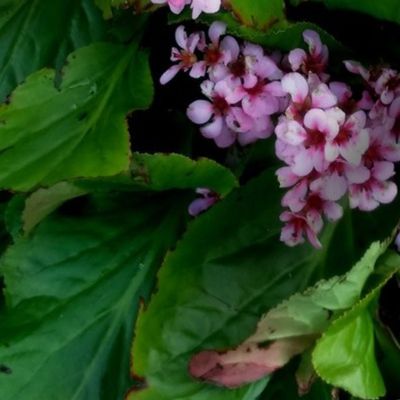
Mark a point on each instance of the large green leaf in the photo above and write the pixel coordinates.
(73, 288)
(50, 133)
(228, 269)
(165, 172)
(155, 172)
(309, 313)
(261, 14)
(39, 33)
(345, 354)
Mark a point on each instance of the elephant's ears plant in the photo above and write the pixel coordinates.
(148, 249)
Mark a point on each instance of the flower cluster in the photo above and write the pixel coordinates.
(197, 6)
(332, 142)
(241, 83)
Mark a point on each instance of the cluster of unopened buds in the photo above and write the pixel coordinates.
(332, 142)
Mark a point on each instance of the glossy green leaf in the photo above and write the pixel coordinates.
(81, 131)
(261, 14)
(73, 289)
(309, 313)
(228, 269)
(165, 172)
(40, 33)
(43, 202)
(345, 355)
(155, 172)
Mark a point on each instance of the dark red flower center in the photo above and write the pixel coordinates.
(212, 55)
(315, 138)
(221, 106)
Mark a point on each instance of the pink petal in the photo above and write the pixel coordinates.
(226, 138)
(238, 120)
(385, 192)
(216, 30)
(181, 36)
(357, 174)
(290, 236)
(333, 211)
(341, 90)
(394, 110)
(275, 89)
(295, 197)
(200, 111)
(303, 163)
(230, 47)
(286, 177)
(169, 74)
(266, 68)
(296, 58)
(383, 170)
(331, 187)
(291, 132)
(313, 40)
(200, 205)
(357, 68)
(198, 69)
(258, 106)
(331, 151)
(296, 85)
(322, 97)
(213, 129)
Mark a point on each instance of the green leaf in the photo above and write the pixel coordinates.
(261, 14)
(228, 269)
(345, 355)
(161, 172)
(309, 313)
(40, 33)
(148, 172)
(82, 130)
(73, 287)
(43, 202)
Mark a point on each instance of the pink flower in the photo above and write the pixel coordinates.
(218, 54)
(387, 86)
(208, 199)
(176, 6)
(206, 6)
(352, 140)
(306, 94)
(298, 225)
(315, 61)
(312, 139)
(215, 114)
(198, 6)
(377, 189)
(186, 58)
